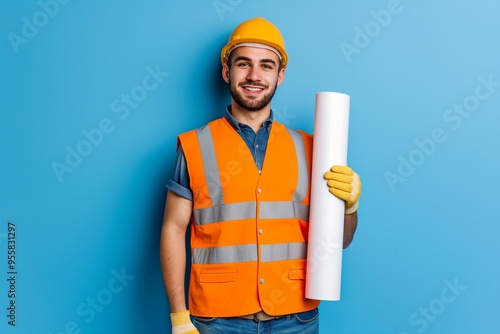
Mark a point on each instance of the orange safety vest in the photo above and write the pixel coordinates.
(249, 227)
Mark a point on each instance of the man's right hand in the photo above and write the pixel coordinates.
(181, 323)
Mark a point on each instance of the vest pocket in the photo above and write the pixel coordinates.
(217, 277)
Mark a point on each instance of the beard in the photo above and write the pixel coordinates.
(251, 104)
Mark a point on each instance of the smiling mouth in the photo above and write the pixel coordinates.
(253, 89)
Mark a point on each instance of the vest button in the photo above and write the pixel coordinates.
(260, 231)
(261, 281)
(259, 191)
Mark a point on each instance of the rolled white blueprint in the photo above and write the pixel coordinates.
(326, 215)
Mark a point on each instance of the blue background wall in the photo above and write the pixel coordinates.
(88, 139)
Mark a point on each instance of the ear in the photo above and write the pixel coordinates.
(225, 72)
(281, 76)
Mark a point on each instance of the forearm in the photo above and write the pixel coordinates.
(173, 264)
(350, 224)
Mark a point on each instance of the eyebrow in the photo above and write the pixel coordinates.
(265, 60)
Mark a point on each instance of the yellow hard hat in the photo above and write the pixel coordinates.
(254, 32)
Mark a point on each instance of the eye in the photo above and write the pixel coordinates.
(243, 64)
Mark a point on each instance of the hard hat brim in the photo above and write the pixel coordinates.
(229, 47)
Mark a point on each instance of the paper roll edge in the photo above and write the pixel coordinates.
(333, 93)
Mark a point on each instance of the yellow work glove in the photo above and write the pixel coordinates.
(181, 323)
(345, 184)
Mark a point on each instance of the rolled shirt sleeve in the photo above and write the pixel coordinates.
(179, 183)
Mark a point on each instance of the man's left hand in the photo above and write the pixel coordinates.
(345, 184)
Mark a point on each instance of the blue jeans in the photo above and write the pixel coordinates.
(299, 323)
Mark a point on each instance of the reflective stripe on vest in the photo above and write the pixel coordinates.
(248, 253)
(226, 254)
(303, 178)
(247, 210)
(225, 212)
(269, 210)
(210, 164)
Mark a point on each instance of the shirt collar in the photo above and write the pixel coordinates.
(236, 124)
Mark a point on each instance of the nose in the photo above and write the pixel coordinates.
(253, 74)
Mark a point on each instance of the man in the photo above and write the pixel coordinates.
(243, 180)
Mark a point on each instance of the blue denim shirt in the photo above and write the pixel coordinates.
(256, 142)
